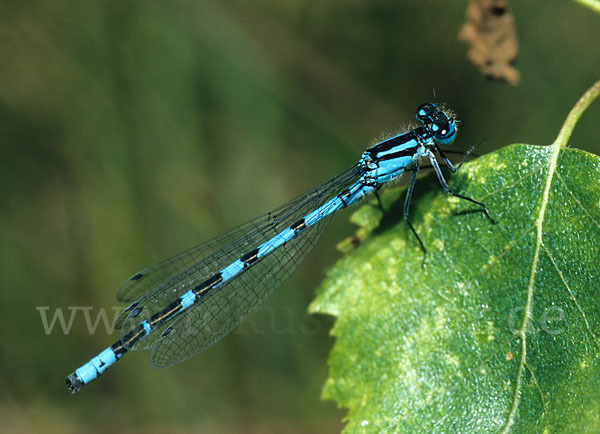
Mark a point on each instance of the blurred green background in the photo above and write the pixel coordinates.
(133, 130)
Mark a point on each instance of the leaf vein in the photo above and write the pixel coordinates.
(577, 200)
(544, 403)
(508, 186)
(572, 295)
(507, 249)
(539, 224)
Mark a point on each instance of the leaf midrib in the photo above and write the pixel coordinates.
(539, 243)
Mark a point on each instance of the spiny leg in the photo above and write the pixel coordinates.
(409, 192)
(465, 154)
(446, 188)
(448, 163)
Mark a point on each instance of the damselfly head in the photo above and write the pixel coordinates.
(442, 124)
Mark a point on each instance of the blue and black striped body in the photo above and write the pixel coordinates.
(185, 304)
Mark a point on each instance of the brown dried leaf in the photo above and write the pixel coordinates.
(490, 31)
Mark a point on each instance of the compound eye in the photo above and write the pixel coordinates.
(426, 112)
(445, 133)
(440, 125)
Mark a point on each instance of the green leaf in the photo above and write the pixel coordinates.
(500, 331)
